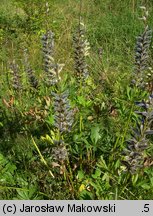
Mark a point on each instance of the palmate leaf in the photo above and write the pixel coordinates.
(97, 173)
(29, 194)
(7, 170)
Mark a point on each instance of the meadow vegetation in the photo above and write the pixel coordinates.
(76, 102)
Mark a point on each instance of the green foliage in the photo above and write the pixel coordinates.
(63, 127)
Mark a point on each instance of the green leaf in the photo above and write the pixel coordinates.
(146, 186)
(106, 177)
(102, 163)
(134, 179)
(151, 180)
(80, 175)
(97, 174)
(95, 135)
(50, 120)
(23, 195)
(83, 101)
(128, 92)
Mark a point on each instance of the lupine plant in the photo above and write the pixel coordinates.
(81, 52)
(63, 117)
(142, 52)
(62, 132)
(16, 76)
(139, 142)
(30, 73)
(63, 120)
(51, 68)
